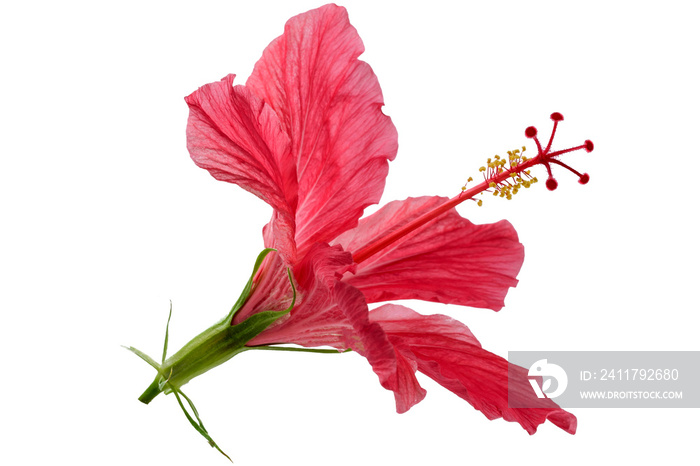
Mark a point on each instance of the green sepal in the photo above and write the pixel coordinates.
(218, 344)
(215, 345)
(209, 349)
(257, 323)
(249, 286)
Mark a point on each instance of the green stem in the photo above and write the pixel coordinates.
(151, 392)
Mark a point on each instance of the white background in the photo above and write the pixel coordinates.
(105, 219)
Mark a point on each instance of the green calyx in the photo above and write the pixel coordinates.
(212, 347)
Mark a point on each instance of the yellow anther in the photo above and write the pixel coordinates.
(470, 179)
(479, 202)
(496, 168)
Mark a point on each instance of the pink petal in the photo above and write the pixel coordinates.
(238, 138)
(408, 391)
(329, 103)
(395, 371)
(446, 351)
(449, 260)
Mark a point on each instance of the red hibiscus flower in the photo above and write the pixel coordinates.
(307, 135)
